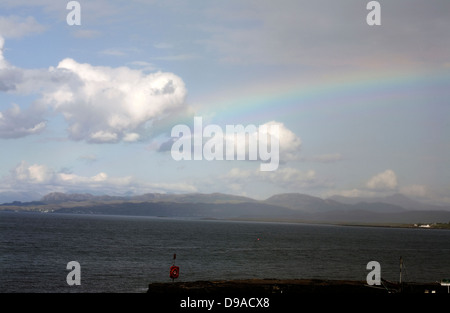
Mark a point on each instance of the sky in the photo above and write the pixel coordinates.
(363, 110)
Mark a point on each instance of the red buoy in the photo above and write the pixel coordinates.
(174, 272)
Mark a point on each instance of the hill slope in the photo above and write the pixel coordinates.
(287, 207)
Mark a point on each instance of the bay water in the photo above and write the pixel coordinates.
(123, 254)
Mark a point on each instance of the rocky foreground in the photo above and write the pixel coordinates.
(272, 295)
(265, 287)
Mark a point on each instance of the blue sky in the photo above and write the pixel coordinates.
(363, 110)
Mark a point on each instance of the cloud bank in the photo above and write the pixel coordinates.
(43, 179)
(287, 178)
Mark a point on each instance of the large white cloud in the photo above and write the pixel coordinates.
(101, 104)
(113, 104)
(289, 143)
(386, 180)
(239, 141)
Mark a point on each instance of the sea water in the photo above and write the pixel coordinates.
(121, 254)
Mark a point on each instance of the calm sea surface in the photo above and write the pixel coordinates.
(125, 254)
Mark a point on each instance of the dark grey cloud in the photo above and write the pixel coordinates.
(167, 145)
(328, 33)
(16, 123)
(9, 78)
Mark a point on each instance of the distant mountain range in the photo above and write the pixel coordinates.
(282, 207)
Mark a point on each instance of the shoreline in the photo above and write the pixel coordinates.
(351, 224)
(440, 226)
(288, 287)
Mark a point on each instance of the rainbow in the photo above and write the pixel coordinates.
(264, 102)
